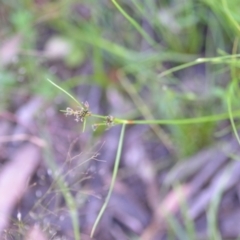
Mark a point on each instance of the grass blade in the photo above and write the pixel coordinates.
(230, 112)
(135, 24)
(73, 98)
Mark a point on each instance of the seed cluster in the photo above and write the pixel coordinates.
(110, 121)
(80, 114)
(84, 112)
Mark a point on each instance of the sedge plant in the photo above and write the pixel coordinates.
(133, 62)
(82, 113)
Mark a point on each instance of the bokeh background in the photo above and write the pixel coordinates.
(131, 59)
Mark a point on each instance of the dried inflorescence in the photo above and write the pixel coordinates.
(110, 121)
(84, 112)
(79, 114)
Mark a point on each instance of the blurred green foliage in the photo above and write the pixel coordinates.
(98, 32)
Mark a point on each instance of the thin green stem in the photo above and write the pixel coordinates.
(230, 112)
(115, 170)
(73, 98)
(84, 124)
(213, 118)
(219, 60)
(134, 23)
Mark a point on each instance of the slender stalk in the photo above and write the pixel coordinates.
(115, 170)
(212, 118)
(134, 23)
(230, 112)
(220, 60)
(74, 99)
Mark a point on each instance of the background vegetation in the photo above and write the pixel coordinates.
(173, 64)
